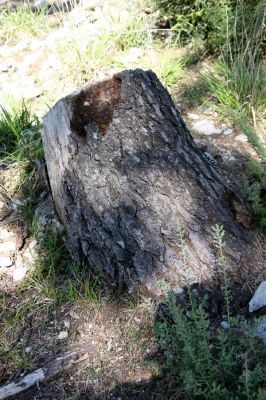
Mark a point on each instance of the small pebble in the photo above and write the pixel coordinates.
(67, 323)
(19, 274)
(241, 138)
(228, 131)
(5, 261)
(62, 335)
(193, 116)
(224, 325)
(28, 350)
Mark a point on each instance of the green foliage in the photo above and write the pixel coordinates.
(255, 188)
(239, 79)
(208, 363)
(20, 22)
(20, 139)
(209, 19)
(56, 277)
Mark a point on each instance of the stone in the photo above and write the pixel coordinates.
(28, 350)
(19, 274)
(224, 325)
(66, 323)
(206, 127)
(207, 111)
(6, 234)
(62, 335)
(7, 247)
(31, 253)
(46, 217)
(5, 261)
(228, 131)
(193, 116)
(260, 331)
(241, 138)
(259, 298)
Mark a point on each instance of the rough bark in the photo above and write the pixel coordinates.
(125, 173)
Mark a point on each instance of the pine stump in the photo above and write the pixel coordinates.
(125, 175)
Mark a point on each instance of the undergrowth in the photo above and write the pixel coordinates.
(208, 361)
(54, 277)
(255, 188)
(22, 22)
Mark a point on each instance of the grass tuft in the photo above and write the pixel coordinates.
(21, 22)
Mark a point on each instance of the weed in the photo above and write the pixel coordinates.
(241, 122)
(255, 188)
(19, 131)
(93, 373)
(18, 357)
(193, 95)
(207, 362)
(239, 79)
(211, 364)
(20, 22)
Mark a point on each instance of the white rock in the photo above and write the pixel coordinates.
(5, 261)
(28, 350)
(207, 111)
(241, 138)
(67, 323)
(62, 335)
(260, 331)
(31, 253)
(8, 247)
(5, 234)
(206, 127)
(224, 325)
(193, 116)
(259, 298)
(228, 131)
(19, 274)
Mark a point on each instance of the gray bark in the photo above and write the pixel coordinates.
(125, 173)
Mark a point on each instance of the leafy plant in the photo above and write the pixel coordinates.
(22, 21)
(255, 188)
(208, 19)
(208, 362)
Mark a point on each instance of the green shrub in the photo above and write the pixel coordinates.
(210, 363)
(255, 187)
(206, 361)
(210, 19)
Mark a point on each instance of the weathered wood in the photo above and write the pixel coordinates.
(52, 368)
(124, 173)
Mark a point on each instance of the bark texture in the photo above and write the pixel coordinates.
(125, 173)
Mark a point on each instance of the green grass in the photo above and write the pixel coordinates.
(19, 131)
(22, 22)
(238, 87)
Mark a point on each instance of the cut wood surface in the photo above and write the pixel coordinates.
(125, 175)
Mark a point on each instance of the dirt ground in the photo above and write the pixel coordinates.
(119, 357)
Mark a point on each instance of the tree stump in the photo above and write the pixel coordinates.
(125, 174)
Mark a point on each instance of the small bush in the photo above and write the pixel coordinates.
(211, 363)
(209, 19)
(255, 187)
